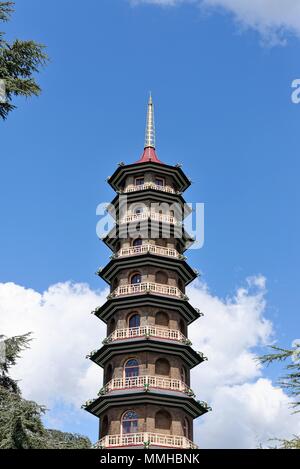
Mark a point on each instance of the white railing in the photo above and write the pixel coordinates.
(161, 217)
(150, 185)
(159, 382)
(164, 333)
(159, 288)
(145, 439)
(144, 248)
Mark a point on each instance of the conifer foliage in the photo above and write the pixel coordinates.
(19, 61)
(21, 424)
(289, 382)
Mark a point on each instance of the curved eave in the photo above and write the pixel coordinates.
(108, 351)
(146, 226)
(152, 196)
(188, 404)
(180, 266)
(181, 180)
(113, 305)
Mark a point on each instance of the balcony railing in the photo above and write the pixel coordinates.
(145, 287)
(145, 382)
(150, 185)
(161, 217)
(145, 439)
(148, 330)
(144, 248)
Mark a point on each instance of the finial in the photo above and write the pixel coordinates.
(150, 128)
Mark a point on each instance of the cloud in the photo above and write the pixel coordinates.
(273, 19)
(247, 408)
(55, 368)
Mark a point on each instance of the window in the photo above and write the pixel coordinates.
(136, 278)
(138, 210)
(130, 422)
(163, 420)
(111, 326)
(186, 428)
(182, 326)
(131, 368)
(137, 242)
(162, 319)
(134, 320)
(109, 373)
(139, 181)
(183, 375)
(159, 181)
(104, 426)
(162, 367)
(161, 277)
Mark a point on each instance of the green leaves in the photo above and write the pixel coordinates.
(19, 62)
(21, 424)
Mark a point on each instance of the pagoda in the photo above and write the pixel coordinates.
(146, 400)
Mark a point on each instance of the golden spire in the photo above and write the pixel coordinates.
(150, 128)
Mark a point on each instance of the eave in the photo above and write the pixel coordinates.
(113, 305)
(112, 349)
(146, 228)
(180, 266)
(182, 209)
(188, 404)
(181, 180)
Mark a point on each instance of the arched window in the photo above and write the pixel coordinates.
(180, 285)
(109, 373)
(162, 367)
(111, 326)
(183, 374)
(163, 420)
(162, 319)
(131, 368)
(130, 422)
(138, 210)
(186, 428)
(135, 278)
(137, 242)
(104, 426)
(161, 277)
(134, 320)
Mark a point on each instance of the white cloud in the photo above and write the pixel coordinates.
(247, 408)
(64, 332)
(273, 19)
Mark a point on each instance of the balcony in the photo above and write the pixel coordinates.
(146, 382)
(146, 287)
(150, 185)
(145, 440)
(152, 248)
(147, 331)
(160, 217)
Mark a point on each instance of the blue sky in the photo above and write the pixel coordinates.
(223, 109)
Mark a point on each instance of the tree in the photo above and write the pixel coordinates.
(18, 63)
(289, 382)
(21, 424)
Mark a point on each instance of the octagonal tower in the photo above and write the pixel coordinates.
(146, 399)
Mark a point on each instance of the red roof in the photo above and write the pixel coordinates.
(149, 155)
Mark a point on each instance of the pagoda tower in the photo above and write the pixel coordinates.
(146, 400)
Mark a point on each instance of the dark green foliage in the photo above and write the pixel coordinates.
(13, 347)
(21, 424)
(290, 382)
(18, 63)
